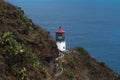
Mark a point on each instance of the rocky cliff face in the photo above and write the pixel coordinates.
(28, 52)
(79, 65)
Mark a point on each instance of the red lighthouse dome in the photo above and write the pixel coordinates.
(60, 30)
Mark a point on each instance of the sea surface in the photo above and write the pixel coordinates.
(92, 24)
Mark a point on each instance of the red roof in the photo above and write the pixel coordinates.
(60, 30)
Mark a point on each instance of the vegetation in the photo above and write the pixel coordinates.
(21, 73)
(12, 47)
(24, 18)
(81, 50)
(86, 78)
(71, 75)
(2, 21)
(32, 59)
(92, 65)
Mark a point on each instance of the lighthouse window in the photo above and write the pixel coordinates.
(60, 37)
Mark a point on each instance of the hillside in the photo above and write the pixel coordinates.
(79, 65)
(28, 52)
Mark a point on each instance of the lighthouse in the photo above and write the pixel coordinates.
(60, 39)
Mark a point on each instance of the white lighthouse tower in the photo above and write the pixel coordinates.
(60, 39)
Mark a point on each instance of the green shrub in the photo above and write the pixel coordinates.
(2, 21)
(71, 75)
(92, 65)
(23, 17)
(32, 59)
(85, 77)
(81, 50)
(6, 38)
(11, 45)
(19, 72)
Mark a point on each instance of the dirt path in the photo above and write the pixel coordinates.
(59, 66)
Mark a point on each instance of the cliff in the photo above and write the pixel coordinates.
(28, 52)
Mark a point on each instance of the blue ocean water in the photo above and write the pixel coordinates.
(94, 25)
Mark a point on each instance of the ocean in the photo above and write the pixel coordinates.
(92, 25)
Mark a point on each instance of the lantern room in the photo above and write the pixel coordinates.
(60, 36)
